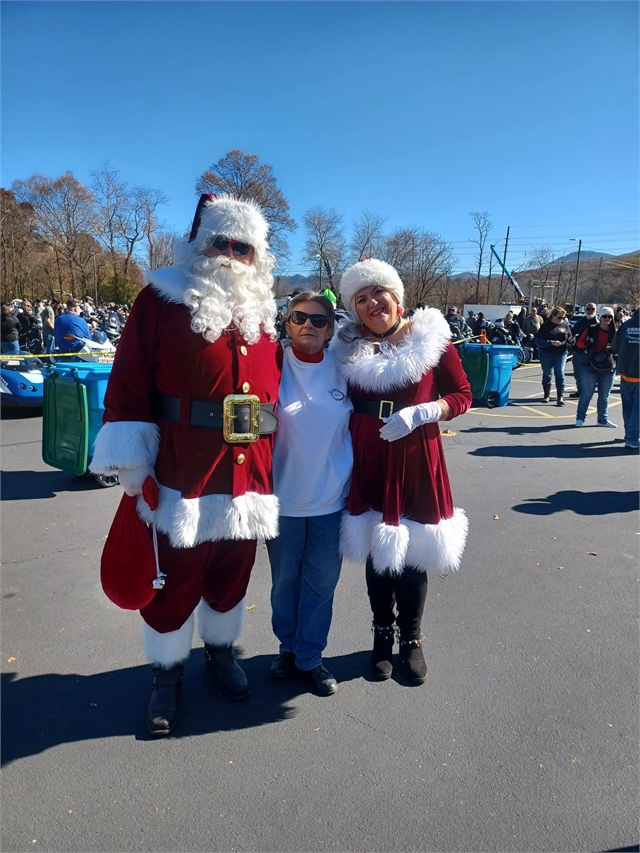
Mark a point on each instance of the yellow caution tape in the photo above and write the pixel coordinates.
(57, 354)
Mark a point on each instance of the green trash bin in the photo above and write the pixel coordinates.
(65, 424)
(475, 360)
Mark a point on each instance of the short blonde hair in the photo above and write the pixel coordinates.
(558, 311)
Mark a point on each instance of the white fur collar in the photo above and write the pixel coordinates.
(169, 283)
(362, 365)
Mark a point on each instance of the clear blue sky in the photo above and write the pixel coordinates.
(421, 112)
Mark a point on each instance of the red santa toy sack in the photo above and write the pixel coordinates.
(129, 569)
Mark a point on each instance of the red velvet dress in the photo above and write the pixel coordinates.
(400, 509)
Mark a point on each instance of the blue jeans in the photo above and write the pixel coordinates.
(589, 381)
(552, 364)
(11, 347)
(305, 568)
(579, 362)
(630, 395)
(48, 341)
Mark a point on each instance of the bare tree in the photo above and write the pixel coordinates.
(483, 226)
(160, 246)
(325, 245)
(125, 215)
(64, 209)
(17, 227)
(243, 175)
(366, 236)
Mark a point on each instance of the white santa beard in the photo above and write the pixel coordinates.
(223, 291)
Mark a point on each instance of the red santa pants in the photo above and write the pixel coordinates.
(219, 572)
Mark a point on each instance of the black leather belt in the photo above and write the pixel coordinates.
(241, 417)
(378, 408)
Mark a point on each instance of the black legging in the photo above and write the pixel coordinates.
(407, 591)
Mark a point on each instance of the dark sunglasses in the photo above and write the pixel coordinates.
(238, 248)
(300, 318)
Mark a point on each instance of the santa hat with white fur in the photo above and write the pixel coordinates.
(365, 273)
(226, 216)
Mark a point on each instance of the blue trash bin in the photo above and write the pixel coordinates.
(71, 421)
(502, 360)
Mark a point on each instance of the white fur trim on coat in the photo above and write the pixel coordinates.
(363, 366)
(168, 649)
(430, 547)
(189, 521)
(220, 629)
(125, 444)
(169, 283)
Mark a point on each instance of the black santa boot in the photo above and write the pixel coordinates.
(383, 640)
(229, 675)
(411, 595)
(162, 711)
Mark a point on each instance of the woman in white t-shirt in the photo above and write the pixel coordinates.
(312, 462)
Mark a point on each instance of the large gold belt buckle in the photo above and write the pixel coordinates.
(229, 416)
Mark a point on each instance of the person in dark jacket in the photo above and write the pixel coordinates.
(625, 344)
(596, 339)
(459, 328)
(552, 341)
(10, 331)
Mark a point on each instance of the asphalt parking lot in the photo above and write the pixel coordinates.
(523, 738)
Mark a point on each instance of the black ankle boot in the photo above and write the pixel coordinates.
(412, 660)
(560, 395)
(230, 677)
(547, 392)
(162, 711)
(383, 640)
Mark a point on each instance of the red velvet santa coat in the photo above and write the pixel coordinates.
(400, 510)
(208, 491)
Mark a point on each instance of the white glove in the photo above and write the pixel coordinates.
(132, 479)
(406, 420)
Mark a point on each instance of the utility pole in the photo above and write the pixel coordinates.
(95, 278)
(489, 281)
(504, 259)
(575, 286)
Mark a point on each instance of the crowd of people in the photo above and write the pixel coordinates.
(48, 325)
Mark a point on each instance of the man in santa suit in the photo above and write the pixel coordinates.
(190, 402)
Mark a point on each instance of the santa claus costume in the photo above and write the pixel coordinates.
(400, 517)
(191, 401)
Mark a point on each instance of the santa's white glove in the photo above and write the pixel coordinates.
(132, 479)
(406, 420)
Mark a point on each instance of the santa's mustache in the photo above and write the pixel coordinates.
(203, 267)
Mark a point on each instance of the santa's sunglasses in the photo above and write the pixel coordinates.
(237, 247)
(300, 318)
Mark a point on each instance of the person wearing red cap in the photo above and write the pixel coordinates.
(190, 402)
(403, 377)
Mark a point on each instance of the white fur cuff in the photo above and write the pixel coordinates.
(168, 649)
(125, 444)
(430, 547)
(189, 521)
(220, 629)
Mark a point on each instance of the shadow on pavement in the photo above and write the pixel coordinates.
(32, 485)
(43, 711)
(546, 451)
(582, 503)
(516, 429)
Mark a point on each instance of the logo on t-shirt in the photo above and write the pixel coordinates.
(337, 394)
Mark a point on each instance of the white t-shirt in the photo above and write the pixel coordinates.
(312, 457)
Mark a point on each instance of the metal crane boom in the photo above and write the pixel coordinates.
(515, 284)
